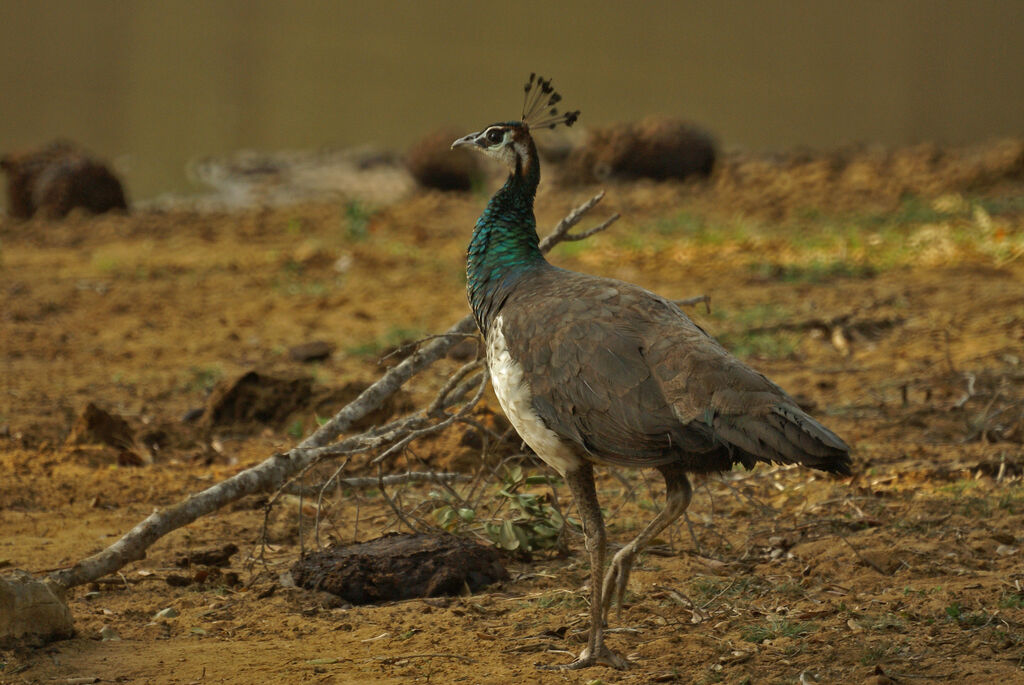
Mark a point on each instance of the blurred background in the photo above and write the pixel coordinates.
(152, 85)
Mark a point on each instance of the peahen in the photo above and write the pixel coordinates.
(595, 371)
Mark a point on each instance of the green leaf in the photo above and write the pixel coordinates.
(524, 540)
(507, 537)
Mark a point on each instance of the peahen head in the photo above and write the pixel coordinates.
(505, 247)
(510, 142)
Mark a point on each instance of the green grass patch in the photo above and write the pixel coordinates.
(776, 627)
(1011, 600)
(357, 221)
(201, 379)
(394, 337)
(774, 345)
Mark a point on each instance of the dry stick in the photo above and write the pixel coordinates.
(276, 469)
(373, 481)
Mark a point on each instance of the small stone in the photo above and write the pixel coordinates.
(314, 351)
(169, 612)
(1005, 550)
(32, 609)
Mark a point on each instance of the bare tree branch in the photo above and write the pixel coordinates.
(278, 468)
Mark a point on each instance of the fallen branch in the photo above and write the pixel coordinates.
(373, 481)
(277, 469)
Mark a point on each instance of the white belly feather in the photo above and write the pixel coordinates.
(517, 402)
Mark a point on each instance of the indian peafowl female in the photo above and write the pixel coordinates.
(594, 371)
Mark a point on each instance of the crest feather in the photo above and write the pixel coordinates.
(539, 109)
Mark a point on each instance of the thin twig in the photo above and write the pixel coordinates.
(280, 468)
(373, 481)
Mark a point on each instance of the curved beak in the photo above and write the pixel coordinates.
(472, 140)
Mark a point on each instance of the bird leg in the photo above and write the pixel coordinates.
(677, 499)
(581, 482)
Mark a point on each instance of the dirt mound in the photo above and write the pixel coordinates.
(855, 178)
(658, 148)
(57, 178)
(434, 164)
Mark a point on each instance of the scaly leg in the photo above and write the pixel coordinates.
(677, 499)
(581, 482)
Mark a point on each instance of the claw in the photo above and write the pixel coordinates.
(603, 657)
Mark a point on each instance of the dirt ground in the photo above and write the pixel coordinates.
(897, 319)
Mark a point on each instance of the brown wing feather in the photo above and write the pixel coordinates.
(627, 376)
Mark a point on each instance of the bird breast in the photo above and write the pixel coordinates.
(516, 400)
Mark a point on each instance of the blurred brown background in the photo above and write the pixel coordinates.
(152, 85)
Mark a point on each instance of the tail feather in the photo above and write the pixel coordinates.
(787, 435)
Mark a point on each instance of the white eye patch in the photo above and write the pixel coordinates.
(495, 135)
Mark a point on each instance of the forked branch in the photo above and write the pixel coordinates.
(279, 468)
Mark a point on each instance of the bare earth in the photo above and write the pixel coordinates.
(901, 327)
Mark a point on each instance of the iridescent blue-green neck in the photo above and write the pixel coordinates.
(505, 246)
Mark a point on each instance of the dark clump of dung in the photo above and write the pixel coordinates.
(400, 566)
(434, 164)
(255, 397)
(659, 148)
(54, 179)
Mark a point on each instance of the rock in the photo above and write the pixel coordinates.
(314, 351)
(657, 147)
(57, 178)
(31, 610)
(167, 612)
(434, 164)
(400, 566)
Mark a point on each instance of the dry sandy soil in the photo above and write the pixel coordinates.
(900, 323)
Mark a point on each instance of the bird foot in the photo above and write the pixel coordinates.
(602, 656)
(615, 580)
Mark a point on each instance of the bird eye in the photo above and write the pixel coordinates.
(495, 135)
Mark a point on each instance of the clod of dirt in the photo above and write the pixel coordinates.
(400, 566)
(57, 178)
(434, 164)
(216, 556)
(314, 351)
(254, 397)
(96, 426)
(30, 611)
(656, 147)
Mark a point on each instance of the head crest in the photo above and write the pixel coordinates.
(539, 109)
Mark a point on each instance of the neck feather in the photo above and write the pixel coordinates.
(505, 246)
